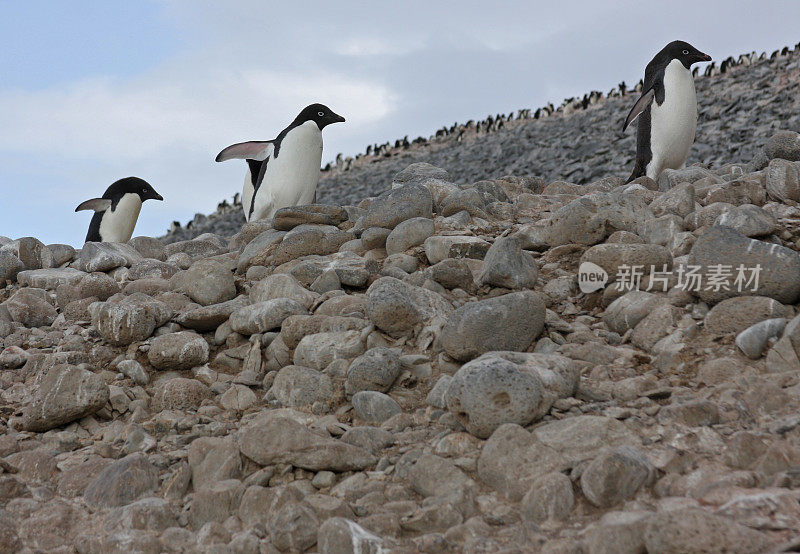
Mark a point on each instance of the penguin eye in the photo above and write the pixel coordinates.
(320, 114)
(685, 52)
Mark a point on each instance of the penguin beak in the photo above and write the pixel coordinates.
(703, 57)
(337, 118)
(158, 197)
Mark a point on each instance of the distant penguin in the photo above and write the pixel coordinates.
(284, 171)
(667, 110)
(115, 214)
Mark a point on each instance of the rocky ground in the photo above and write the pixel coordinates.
(738, 111)
(419, 372)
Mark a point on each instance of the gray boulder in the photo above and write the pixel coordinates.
(508, 322)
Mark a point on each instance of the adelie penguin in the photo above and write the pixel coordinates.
(284, 171)
(667, 110)
(115, 214)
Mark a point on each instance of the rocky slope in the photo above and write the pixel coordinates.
(420, 372)
(739, 110)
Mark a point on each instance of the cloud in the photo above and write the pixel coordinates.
(129, 121)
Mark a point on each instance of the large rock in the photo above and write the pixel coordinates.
(214, 459)
(397, 205)
(105, 256)
(399, 308)
(374, 407)
(65, 394)
(206, 282)
(613, 258)
(290, 217)
(30, 309)
(507, 265)
(696, 530)
(418, 173)
(132, 319)
(749, 220)
(178, 351)
(785, 354)
(615, 475)
(317, 351)
(10, 266)
(513, 459)
(409, 233)
(51, 278)
(629, 309)
(282, 285)
(583, 437)
(778, 278)
(208, 318)
(31, 252)
(550, 497)
(179, 393)
(441, 247)
(122, 482)
(737, 314)
(587, 220)
(295, 327)
(783, 181)
(298, 386)
(784, 145)
(508, 322)
(376, 370)
(509, 387)
(264, 316)
(338, 535)
(306, 240)
(271, 440)
(259, 250)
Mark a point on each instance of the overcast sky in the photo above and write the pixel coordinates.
(91, 92)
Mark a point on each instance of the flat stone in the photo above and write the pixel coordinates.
(440, 247)
(737, 314)
(50, 279)
(779, 277)
(65, 394)
(374, 407)
(290, 217)
(271, 440)
(122, 482)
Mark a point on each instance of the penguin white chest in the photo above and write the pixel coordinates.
(117, 225)
(291, 177)
(674, 122)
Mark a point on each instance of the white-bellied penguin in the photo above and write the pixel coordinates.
(667, 110)
(284, 171)
(116, 212)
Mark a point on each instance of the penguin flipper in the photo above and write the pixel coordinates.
(253, 150)
(96, 204)
(641, 105)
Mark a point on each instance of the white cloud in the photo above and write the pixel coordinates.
(123, 120)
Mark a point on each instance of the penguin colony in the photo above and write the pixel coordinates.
(666, 110)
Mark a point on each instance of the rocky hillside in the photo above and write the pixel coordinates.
(424, 371)
(739, 110)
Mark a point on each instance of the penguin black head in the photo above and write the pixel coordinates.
(132, 185)
(320, 114)
(683, 52)
(118, 189)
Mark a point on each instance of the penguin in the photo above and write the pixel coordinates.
(283, 171)
(115, 214)
(667, 110)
